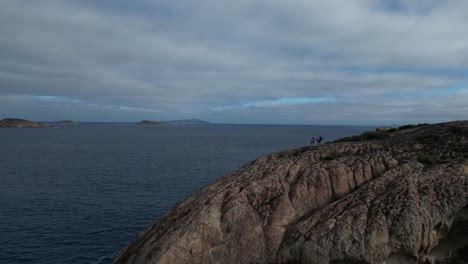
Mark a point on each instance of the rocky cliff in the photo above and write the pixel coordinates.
(401, 199)
(21, 123)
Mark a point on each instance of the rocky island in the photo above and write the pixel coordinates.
(21, 123)
(153, 123)
(398, 196)
(66, 122)
(183, 122)
(188, 122)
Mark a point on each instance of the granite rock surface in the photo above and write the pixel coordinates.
(403, 199)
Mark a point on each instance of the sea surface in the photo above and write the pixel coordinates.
(79, 193)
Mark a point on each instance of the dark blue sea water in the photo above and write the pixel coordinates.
(77, 194)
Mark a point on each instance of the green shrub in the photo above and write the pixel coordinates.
(458, 147)
(406, 127)
(375, 135)
(427, 159)
(412, 126)
(427, 139)
(371, 135)
(329, 157)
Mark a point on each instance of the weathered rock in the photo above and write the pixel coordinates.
(21, 123)
(398, 200)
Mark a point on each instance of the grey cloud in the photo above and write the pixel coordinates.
(182, 59)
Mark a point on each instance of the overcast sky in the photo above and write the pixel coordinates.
(243, 61)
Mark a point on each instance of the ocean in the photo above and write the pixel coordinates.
(79, 193)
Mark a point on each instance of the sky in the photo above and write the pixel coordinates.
(354, 62)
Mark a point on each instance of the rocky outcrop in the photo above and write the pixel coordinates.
(21, 123)
(402, 199)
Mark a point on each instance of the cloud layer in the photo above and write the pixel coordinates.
(302, 62)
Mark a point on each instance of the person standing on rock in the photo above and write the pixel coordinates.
(312, 140)
(319, 140)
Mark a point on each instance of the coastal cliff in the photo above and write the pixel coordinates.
(21, 123)
(402, 198)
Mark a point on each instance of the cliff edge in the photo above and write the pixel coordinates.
(399, 199)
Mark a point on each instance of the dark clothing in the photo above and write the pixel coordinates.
(319, 140)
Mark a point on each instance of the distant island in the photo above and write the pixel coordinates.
(152, 123)
(21, 123)
(184, 122)
(66, 122)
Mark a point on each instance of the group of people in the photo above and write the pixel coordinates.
(317, 140)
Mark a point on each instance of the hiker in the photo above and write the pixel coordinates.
(312, 140)
(319, 140)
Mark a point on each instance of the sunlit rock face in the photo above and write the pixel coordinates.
(402, 199)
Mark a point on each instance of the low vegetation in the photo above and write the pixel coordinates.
(329, 157)
(429, 139)
(428, 159)
(371, 135)
(411, 126)
(458, 148)
(378, 134)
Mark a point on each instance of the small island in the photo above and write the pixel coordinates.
(184, 122)
(153, 123)
(66, 122)
(21, 123)
(188, 122)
